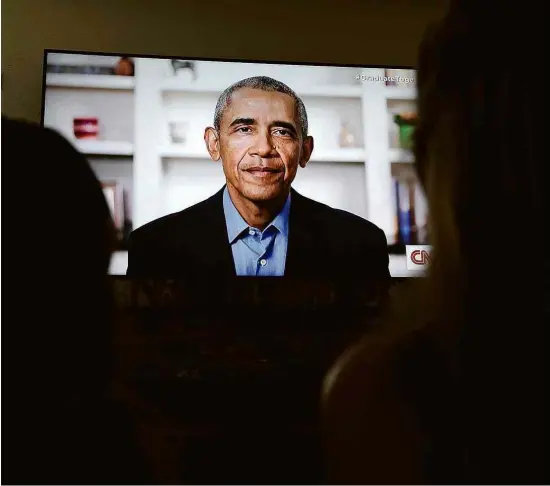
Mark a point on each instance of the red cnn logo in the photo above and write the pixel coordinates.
(420, 257)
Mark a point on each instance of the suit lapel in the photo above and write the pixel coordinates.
(302, 252)
(214, 253)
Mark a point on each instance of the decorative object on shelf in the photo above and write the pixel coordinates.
(347, 139)
(184, 70)
(406, 123)
(412, 212)
(178, 131)
(422, 234)
(114, 195)
(405, 214)
(86, 128)
(82, 69)
(124, 67)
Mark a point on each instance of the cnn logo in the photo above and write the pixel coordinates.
(418, 257)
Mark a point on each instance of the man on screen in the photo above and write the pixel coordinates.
(257, 225)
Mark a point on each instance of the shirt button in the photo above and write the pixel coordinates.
(263, 262)
(251, 232)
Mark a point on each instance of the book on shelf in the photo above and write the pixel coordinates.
(115, 196)
(123, 67)
(411, 215)
(80, 69)
(420, 210)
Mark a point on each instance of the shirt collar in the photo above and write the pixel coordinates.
(236, 224)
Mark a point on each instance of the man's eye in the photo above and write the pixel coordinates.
(243, 129)
(283, 132)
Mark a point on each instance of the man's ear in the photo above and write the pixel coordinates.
(307, 149)
(212, 141)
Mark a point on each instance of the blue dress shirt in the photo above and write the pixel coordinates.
(257, 253)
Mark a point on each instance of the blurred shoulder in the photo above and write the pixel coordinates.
(359, 370)
(399, 340)
(368, 418)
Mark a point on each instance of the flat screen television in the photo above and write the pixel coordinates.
(141, 120)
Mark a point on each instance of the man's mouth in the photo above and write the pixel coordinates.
(263, 171)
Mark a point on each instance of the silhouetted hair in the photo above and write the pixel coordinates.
(478, 146)
(263, 83)
(479, 137)
(59, 326)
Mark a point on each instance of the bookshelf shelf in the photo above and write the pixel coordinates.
(340, 155)
(89, 81)
(174, 85)
(104, 147)
(173, 151)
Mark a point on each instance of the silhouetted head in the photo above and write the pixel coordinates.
(479, 137)
(60, 240)
(478, 146)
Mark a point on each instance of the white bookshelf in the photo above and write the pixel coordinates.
(135, 112)
(89, 81)
(105, 147)
(331, 91)
(175, 85)
(339, 155)
(397, 155)
(405, 93)
(174, 151)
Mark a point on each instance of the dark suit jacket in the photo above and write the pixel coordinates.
(323, 243)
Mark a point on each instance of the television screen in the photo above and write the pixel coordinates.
(178, 137)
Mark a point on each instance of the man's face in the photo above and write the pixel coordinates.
(260, 144)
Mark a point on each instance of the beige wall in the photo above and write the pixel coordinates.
(344, 31)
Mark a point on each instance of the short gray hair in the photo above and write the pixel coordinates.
(263, 83)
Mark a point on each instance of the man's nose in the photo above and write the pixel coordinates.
(263, 145)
